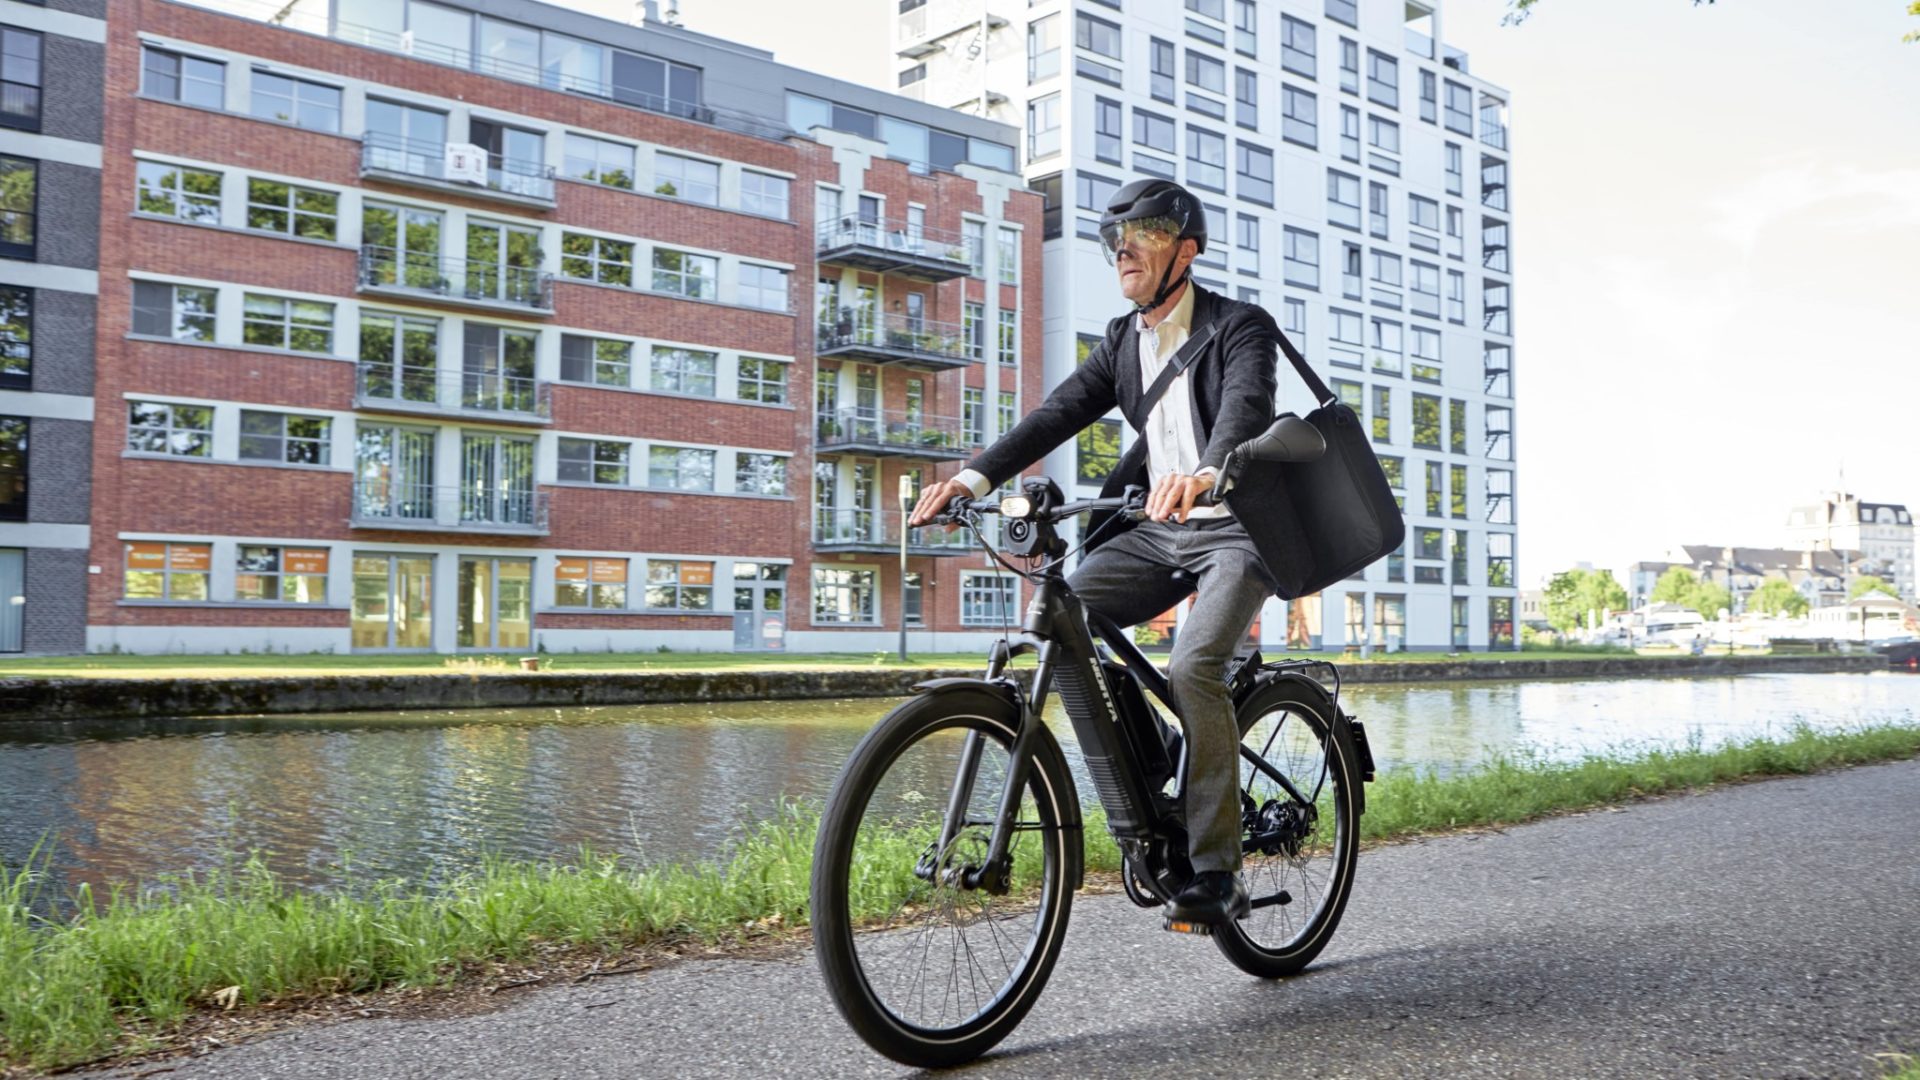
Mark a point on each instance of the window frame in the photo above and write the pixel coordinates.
(321, 444)
(201, 448)
(294, 98)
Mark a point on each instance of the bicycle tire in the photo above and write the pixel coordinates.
(841, 937)
(1272, 943)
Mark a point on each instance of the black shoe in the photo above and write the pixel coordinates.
(1213, 898)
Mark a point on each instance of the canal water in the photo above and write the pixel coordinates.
(426, 795)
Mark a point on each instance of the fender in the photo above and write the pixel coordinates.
(1344, 725)
(1046, 753)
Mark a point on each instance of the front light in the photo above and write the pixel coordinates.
(1016, 506)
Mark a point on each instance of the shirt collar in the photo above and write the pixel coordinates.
(1177, 324)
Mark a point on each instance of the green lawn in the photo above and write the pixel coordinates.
(220, 666)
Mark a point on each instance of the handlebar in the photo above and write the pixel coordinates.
(1133, 504)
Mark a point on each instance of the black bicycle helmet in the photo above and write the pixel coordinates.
(1164, 200)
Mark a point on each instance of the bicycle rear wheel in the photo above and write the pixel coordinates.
(1300, 828)
(928, 971)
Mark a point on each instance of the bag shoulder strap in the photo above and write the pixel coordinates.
(1196, 343)
(1320, 392)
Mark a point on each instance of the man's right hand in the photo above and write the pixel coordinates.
(935, 497)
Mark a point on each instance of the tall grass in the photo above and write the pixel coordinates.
(127, 967)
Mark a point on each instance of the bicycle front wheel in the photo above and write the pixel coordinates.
(1299, 782)
(927, 970)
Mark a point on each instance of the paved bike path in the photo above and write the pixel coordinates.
(1763, 930)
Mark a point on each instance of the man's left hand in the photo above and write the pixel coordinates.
(1174, 496)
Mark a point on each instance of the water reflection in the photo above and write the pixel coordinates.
(426, 795)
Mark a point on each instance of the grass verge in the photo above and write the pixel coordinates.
(131, 968)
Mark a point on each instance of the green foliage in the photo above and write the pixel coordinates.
(1708, 598)
(1573, 593)
(1867, 583)
(1777, 597)
(1674, 586)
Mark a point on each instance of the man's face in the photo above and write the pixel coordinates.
(1142, 254)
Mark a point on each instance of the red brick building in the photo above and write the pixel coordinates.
(426, 329)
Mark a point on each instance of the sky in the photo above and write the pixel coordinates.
(1716, 250)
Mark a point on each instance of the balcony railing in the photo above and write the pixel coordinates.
(1493, 133)
(470, 508)
(461, 281)
(894, 338)
(849, 529)
(414, 161)
(899, 434)
(19, 105)
(890, 245)
(1419, 44)
(451, 391)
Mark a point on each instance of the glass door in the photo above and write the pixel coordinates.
(400, 245)
(496, 605)
(497, 369)
(866, 404)
(13, 599)
(759, 605)
(865, 517)
(399, 357)
(496, 479)
(405, 139)
(515, 157)
(393, 470)
(392, 601)
(503, 263)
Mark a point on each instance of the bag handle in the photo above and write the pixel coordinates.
(1320, 392)
(1181, 361)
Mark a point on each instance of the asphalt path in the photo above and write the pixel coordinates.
(1762, 930)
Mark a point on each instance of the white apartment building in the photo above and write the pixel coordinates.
(1356, 177)
(1879, 537)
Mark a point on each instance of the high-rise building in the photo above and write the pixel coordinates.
(52, 64)
(489, 324)
(1356, 177)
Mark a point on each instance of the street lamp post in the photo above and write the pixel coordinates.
(1729, 606)
(906, 504)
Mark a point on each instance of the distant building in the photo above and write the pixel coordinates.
(1880, 534)
(1820, 576)
(1640, 579)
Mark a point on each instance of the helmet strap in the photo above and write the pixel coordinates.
(1166, 288)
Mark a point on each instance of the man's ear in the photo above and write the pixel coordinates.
(1189, 250)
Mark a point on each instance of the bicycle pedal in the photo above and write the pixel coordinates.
(1181, 926)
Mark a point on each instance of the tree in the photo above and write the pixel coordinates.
(1708, 598)
(1867, 583)
(1675, 586)
(1777, 597)
(1573, 593)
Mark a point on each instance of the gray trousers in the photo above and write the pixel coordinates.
(1129, 579)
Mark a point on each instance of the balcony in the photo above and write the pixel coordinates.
(922, 24)
(891, 246)
(424, 165)
(894, 339)
(891, 434)
(838, 529)
(428, 391)
(386, 504)
(493, 286)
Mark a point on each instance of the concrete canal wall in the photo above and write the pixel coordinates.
(98, 699)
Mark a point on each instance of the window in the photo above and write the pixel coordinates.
(1456, 425)
(1426, 422)
(1043, 48)
(973, 330)
(1246, 29)
(1500, 560)
(1246, 98)
(1216, 253)
(1423, 213)
(1383, 79)
(155, 427)
(285, 438)
(164, 571)
(1343, 200)
(177, 192)
(973, 237)
(593, 461)
(1426, 354)
(16, 337)
(1206, 73)
(1212, 9)
(597, 258)
(1493, 244)
(276, 322)
(763, 380)
(1383, 135)
(1386, 278)
(1430, 543)
(1453, 168)
(1426, 289)
(686, 178)
(760, 474)
(912, 599)
(1435, 494)
(686, 274)
(599, 161)
(1108, 125)
(1153, 131)
(590, 583)
(1293, 320)
(1397, 562)
(684, 371)
(1008, 344)
(1382, 414)
(1345, 11)
(1350, 133)
(763, 193)
(1457, 490)
(296, 101)
(1386, 346)
(1456, 296)
(1456, 232)
(1459, 109)
(1458, 557)
(1347, 327)
(276, 207)
(1350, 271)
(1246, 237)
(764, 287)
(1302, 266)
(1050, 206)
(1096, 35)
(844, 596)
(679, 585)
(986, 599)
(1004, 412)
(679, 468)
(1160, 83)
(1043, 127)
(1378, 214)
(1390, 621)
(1206, 159)
(13, 467)
(1255, 166)
(1429, 97)
(1497, 315)
(177, 312)
(188, 80)
(603, 361)
(1394, 469)
(275, 575)
(1299, 117)
(1098, 452)
(1349, 65)
(973, 414)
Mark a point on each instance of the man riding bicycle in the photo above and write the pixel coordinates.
(1221, 394)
